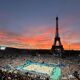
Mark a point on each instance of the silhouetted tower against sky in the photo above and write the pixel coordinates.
(57, 46)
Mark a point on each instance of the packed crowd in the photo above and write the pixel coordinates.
(17, 75)
(68, 66)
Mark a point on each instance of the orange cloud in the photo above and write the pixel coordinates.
(40, 39)
(75, 46)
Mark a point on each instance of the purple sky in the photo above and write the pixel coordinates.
(29, 19)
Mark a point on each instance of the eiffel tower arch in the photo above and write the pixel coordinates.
(57, 47)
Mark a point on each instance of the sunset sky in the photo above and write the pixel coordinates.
(31, 23)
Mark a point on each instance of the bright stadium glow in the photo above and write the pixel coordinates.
(2, 47)
(39, 68)
(51, 70)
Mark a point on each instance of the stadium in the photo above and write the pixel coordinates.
(55, 63)
(16, 65)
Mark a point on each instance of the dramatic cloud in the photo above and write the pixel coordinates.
(31, 24)
(42, 40)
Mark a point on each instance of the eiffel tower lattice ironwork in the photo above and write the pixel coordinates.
(57, 48)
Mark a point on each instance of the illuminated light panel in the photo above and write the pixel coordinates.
(2, 47)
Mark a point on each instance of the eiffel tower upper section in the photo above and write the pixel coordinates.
(57, 33)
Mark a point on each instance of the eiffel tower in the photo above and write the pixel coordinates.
(57, 47)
